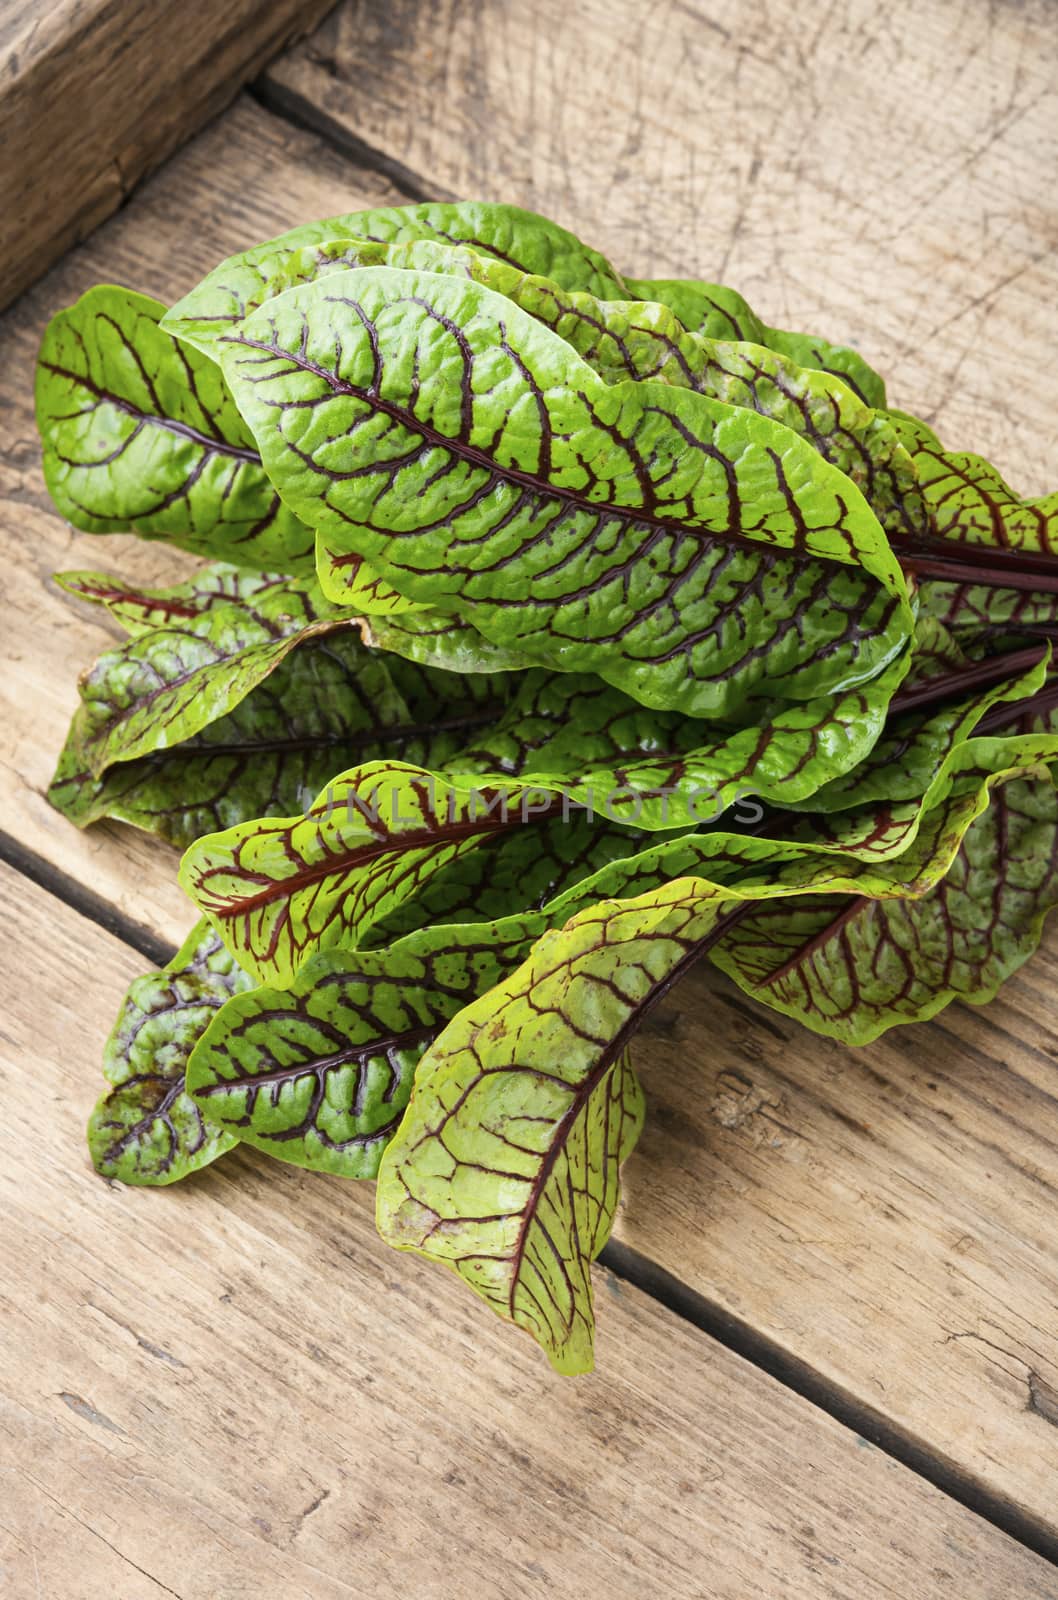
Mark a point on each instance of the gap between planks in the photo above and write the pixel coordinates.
(281, 101)
(84, 900)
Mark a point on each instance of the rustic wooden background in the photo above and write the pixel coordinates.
(828, 1348)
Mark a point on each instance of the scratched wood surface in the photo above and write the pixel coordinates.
(881, 1220)
(228, 1391)
(880, 173)
(94, 94)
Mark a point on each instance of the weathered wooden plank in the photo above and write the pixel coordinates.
(95, 94)
(883, 174)
(233, 1389)
(870, 1292)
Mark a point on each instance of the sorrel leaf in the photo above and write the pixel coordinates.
(140, 432)
(918, 740)
(634, 340)
(166, 684)
(521, 873)
(721, 313)
(279, 890)
(328, 703)
(319, 1074)
(977, 612)
(852, 967)
(391, 621)
(506, 1165)
(435, 639)
(460, 447)
(147, 1129)
(880, 849)
(290, 1070)
(612, 755)
(519, 238)
(974, 511)
(139, 610)
(969, 502)
(349, 580)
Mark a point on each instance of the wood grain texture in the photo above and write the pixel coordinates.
(882, 174)
(229, 1390)
(95, 93)
(890, 1236)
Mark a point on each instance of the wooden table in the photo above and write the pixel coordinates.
(828, 1347)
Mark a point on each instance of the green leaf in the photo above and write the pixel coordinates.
(140, 433)
(658, 769)
(316, 1074)
(883, 830)
(457, 444)
(168, 683)
(517, 873)
(380, 834)
(981, 612)
(515, 239)
(917, 742)
(279, 890)
(629, 340)
(852, 967)
(973, 513)
(969, 502)
(328, 703)
(282, 889)
(319, 1074)
(139, 610)
(436, 639)
(506, 1165)
(720, 313)
(645, 339)
(936, 651)
(147, 1129)
(519, 238)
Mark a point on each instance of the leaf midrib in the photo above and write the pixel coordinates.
(395, 733)
(445, 833)
(212, 443)
(607, 1059)
(362, 1053)
(540, 486)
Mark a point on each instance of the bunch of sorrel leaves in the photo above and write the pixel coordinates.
(556, 629)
